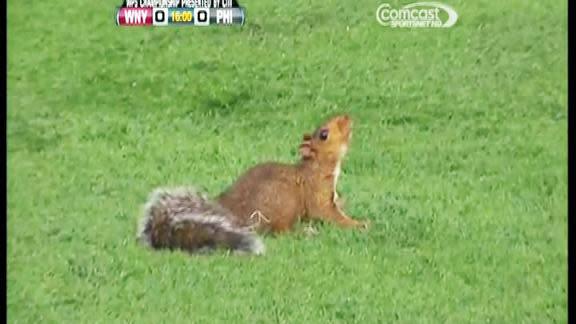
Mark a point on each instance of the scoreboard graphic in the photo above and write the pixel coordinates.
(179, 13)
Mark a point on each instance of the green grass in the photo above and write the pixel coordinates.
(458, 159)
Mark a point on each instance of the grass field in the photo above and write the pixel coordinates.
(458, 159)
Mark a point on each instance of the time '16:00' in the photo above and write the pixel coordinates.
(184, 16)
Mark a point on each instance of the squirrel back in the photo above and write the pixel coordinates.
(270, 197)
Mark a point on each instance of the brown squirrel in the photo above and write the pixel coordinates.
(270, 197)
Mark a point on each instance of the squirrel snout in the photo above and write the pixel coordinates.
(344, 122)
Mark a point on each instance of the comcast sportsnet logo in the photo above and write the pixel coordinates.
(417, 15)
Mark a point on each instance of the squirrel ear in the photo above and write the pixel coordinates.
(305, 151)
(305, 148)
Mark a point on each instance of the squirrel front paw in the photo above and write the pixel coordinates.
(357, 224)
(364, 225)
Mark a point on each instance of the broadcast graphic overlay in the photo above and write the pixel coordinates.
(179, 13)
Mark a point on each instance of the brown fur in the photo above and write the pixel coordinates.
(286, 193)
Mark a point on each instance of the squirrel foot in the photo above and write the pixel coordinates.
(364, 225)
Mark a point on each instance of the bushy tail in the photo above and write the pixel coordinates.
(183, 218)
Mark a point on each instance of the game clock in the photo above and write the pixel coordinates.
(185, 16)
(179, 13)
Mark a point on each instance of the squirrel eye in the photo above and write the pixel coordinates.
(323, 134)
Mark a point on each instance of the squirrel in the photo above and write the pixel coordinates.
(268, 198)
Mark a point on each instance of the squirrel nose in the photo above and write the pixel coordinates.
(344, 121)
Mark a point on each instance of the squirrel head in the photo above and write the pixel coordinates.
(329, 142)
